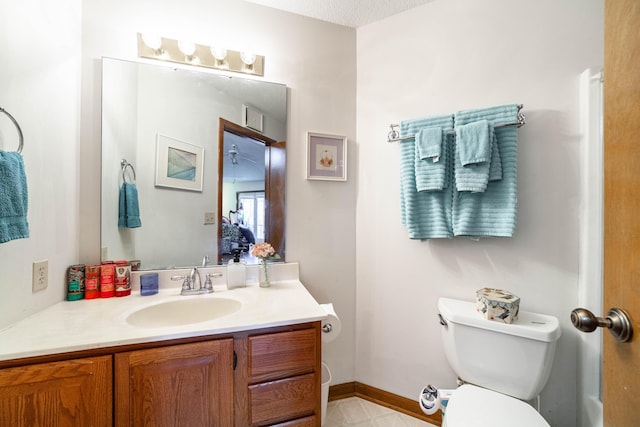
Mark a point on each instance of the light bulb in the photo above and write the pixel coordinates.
(153, 41)
(219, 53)
(186, 47)
(248, 57)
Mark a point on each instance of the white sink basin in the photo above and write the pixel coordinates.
(183, 312)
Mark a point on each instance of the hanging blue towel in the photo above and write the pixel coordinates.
(14, 198)
(129, 209)
(492, 212)
(477, 156)
(431, 160)
(426, 214)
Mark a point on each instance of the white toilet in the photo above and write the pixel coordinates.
(502, 365)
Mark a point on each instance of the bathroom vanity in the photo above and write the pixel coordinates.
(257, 366)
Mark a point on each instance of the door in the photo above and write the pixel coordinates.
(621, 361)
(179, 385)
(75, 392)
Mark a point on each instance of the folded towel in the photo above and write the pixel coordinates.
(477, 156)
(429, 144)
(431, 160)
(14, 198)
(129, 209)
(492, 212)
(473, 143)
(426, 214)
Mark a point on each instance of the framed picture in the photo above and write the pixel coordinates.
(326, 157)
(178, 164)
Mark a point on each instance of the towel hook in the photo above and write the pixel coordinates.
(124, 165)
(15, 122)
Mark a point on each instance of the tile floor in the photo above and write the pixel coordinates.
(354, 411)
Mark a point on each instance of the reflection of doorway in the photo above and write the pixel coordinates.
(253, 216)
(235, 147)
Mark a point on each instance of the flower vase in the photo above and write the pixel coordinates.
(263, 275)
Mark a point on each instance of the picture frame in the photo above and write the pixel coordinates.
(179, 164)
(326, 157)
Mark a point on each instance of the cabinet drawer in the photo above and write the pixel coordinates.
(283, 399)
(283, 354)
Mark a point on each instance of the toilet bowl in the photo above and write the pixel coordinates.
(488, 357)
(470, 405)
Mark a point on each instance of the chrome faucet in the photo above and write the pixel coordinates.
(189, 286)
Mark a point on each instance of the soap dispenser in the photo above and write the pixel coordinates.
(236, 272)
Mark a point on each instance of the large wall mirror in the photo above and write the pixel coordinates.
(197, 157)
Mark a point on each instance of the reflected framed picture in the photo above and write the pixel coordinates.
(178, 164)
(326, 157)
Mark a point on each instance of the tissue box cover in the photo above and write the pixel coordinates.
(497, 304)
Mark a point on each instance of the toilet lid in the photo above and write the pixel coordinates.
(470, 405)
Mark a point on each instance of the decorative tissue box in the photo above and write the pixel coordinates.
(498, 305)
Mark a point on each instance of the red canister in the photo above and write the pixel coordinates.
(107, 280)
(123, 278)
(92, 281)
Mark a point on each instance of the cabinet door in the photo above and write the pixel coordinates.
(182, 385)
(69, 393)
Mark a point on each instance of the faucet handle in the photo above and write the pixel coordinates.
(208, 286)
(186, 285)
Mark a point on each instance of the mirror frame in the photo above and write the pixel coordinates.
(274, 183)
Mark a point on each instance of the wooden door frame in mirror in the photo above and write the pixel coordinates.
(274, 183)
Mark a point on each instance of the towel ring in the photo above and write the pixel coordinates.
(15, 122)
(125, 165)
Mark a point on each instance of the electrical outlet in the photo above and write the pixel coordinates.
(40, 277)
(209, 218)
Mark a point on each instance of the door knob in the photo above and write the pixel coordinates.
(617, 321)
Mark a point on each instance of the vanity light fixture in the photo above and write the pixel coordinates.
(248, 58)
(164, 49)
(153, 41)
(219, 53)
(188, 48)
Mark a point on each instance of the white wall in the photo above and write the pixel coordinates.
(40, 87)
(436, 59)
(316, 61)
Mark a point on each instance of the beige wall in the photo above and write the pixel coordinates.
(436, 59)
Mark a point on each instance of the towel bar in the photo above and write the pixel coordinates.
(394, 135)
(15, 122)
(125, 165)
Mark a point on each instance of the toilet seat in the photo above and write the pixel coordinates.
(471, 405)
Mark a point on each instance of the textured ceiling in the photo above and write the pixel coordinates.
(350, 13)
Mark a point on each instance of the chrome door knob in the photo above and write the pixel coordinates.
(617, 321)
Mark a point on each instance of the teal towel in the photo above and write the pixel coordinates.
(426, 214)
(129, 208)
(431, 160)
(492, 212)
(14, 197)
(477, 156)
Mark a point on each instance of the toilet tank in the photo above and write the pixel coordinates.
(514, 359)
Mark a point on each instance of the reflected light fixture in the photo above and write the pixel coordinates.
(160, 48)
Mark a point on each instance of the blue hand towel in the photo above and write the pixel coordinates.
(477, 157)
(14, 197)
(431, 160)
(129, 209)
(492, 212)
(426, 214)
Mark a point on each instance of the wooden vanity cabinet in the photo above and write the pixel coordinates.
(280, 380)
(74, 392)
(178, 385)
(190, 382)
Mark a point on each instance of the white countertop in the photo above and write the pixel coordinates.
(88, 324)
